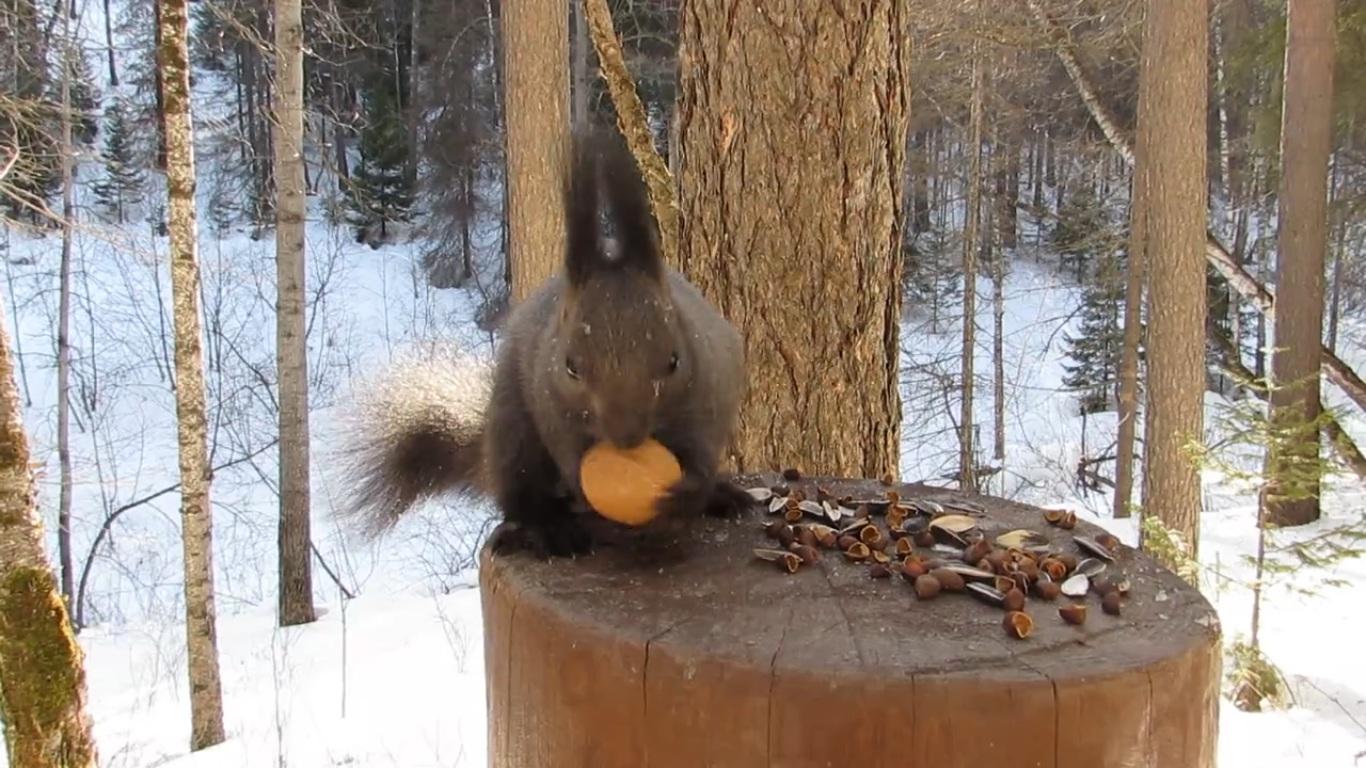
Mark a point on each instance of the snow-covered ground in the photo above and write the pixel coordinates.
(394, 677)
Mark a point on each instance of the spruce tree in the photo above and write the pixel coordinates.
(1082, 229)
(1092, 369)
(85, 100)
(122, 185)
(382, 190)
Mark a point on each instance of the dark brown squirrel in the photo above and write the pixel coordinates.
(617, 346)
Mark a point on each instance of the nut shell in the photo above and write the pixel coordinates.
(1017, 624)
(1014, 600)
(1110, 603)
(1074, 614)
(927, 587)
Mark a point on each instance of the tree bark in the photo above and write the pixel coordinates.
(291, 348)
(579, 91)
(967, 455)
(206, 697)
(536, 106)
(1306, 141)
(789, 200)
(1175, 63)
(64, 322)
(42, 677)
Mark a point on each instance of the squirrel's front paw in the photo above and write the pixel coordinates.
(564, 538)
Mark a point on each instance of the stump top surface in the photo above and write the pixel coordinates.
(712, 600)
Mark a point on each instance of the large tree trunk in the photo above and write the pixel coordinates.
(64, 321)
(1306, 141)
(789, 200)
(536, 105)
(291, 351)
(579, 113)
(967, 425)
(1175, 64)
(206, 696)
(42, 679)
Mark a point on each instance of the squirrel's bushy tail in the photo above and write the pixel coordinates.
(414, 433)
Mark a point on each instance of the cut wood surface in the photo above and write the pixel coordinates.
(712, 657)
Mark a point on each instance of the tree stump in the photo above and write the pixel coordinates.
(714, 657)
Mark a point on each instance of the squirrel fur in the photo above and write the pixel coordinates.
(617, 346)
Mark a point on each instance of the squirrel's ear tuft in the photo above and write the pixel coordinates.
(583, 242)
(600, 165)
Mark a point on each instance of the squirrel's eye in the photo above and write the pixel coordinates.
(570, 368)
(673, 362)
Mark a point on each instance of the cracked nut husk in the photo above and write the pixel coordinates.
(949, 580)
(1018, 624)
(1047, 590)
(927, 587)
(807, 553)
(1014, 600)
(859, 551)
(1110, 603)
(1073, 614)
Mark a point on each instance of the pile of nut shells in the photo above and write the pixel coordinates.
(938, 547)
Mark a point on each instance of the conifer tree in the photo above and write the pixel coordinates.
(1094, 352)
(1081, 229)
(382, 189)
(85, 100)
(122, 185)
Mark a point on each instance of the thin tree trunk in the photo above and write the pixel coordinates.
(827, 175)
(291, 351)
(160, 90)
(1136, 279)
(109, 45)
(998, 303)
(1175, 62)
(536, 106)
(206, 696)
(967, 456)
(1306, 142)
(42, 677)
(64, 322)
(920, 172)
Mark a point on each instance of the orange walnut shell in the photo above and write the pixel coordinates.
(624, 485)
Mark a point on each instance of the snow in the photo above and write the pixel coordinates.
(394, 677)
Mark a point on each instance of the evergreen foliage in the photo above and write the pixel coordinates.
(1083, 230)
(85, 100)
(1094, 353)
(382, 189)
(123, 182)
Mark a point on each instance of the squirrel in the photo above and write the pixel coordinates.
(616, 346)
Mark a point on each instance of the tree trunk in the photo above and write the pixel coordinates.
(998, 304)
(160, 89)
(967, 455)
(206, 697)
(1306, 141)
(1136, 279)
(536, 105)
(920, 172)
(1175, 65)
(765, 149)
(64, 322)
(579, 91)
(291, 348)
(42, 677)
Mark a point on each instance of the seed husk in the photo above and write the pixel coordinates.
(927, 587)
(913, 568)
(904, 547)
(872, 536)
(1014, 600)
(786, 535)
(788, 561)
(881, 557)
(1046, 590)
(1053, 516)
(1091, 567)
(806, 536)
(977, 551)
(958, 524)
(1054, 568)
(950, 581)
(771, 529)
(1068, 521)
(968, 572)
(1018, 624)
(1018, 538)
(793, 514)
(924, 539)
(845, 541)
(1074, 614)
(859, 551)
(1109, 541)
(989, 595)
(1003, 584)
(1076, 586)
(1110, 603)
(1091, 547)
(812, 508)
(776, 505)
(808, 554)
(760, 495)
